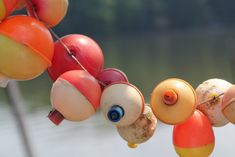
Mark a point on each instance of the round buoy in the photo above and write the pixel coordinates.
(51, 12)
(122, 103)
(228, 104)
(194, 137)
(111, 75)
(84, 49)
(141, 130)
(76, 95)
(210, 90)
(173, 101)
(26, 48)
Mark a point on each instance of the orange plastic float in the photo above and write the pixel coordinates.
(7, 7)
(228, 104)
(26, 48)
(194, 137)
(122, 103)
(173, 101)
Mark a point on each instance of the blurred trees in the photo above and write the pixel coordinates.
(118, 16)
(224, 11)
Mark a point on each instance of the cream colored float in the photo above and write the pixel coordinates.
(228, 104)
(122, 103)
(141, 130)
(210, 90)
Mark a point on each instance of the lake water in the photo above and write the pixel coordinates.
(146, 59)
(94, 137)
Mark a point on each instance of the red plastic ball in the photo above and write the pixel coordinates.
(111, 75)
(86, 51)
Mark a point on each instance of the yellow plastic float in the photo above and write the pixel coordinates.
(26, 48)
(173, 101)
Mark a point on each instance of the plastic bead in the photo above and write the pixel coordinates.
(170, 97)
(131, 145)
(56, 117)
(116, 113)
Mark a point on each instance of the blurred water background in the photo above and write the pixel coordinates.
(150, 41)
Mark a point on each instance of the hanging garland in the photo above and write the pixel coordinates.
(81, 85)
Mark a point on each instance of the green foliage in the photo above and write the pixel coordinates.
(185, 13)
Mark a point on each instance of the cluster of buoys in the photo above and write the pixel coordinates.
(27, 46)
(81, 85)
(194, 112)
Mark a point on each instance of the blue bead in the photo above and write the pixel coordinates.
(115, 113)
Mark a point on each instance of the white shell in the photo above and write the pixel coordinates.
(141, 130)
(212, 110)
(126, 96)
(72, 104)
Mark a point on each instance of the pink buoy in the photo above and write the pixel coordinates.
(111, 75)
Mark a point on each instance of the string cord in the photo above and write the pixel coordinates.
(77, 61)
(214, 98)
(60, 41)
